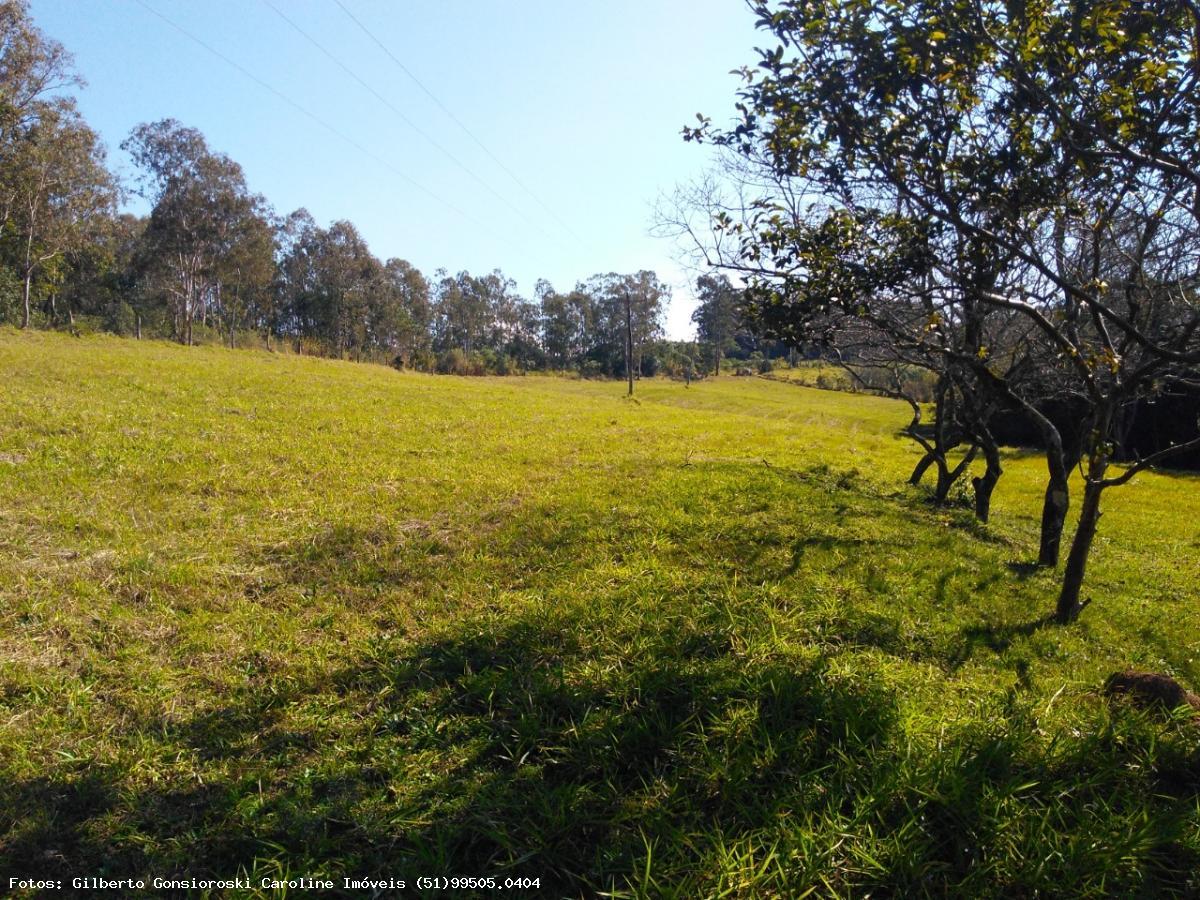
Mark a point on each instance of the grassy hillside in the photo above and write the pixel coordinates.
(280, 615)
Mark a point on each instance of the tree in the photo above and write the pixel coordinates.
(59, 188)
(414, 316)
(566, 324)
(292, 297)
(33, 68)
(716, 317)
(53, 182)
(331, 291)
(1038, 185)
(628, 315)
(515, 328)
(97, 278)
(243, 269)
(463, 314)
(347, 274)
(206, 229)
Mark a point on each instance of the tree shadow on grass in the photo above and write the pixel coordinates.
(588, 741)
(1024, 570)
(531, 747)
(572, 744)
(995, 637)
(353, 559)
(515, 747)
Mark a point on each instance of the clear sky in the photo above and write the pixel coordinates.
(581, 100)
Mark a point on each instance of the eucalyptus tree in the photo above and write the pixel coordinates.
(206, 229)
(34, 69)
(414, 307)
(293, 294)
(348, 277)
(28, 62)
(97, 277)
(462, 312)
(243, 270)
(1053, 143)
(58, 189)
(717, 314)
(567, 323)
(557, 328)
(515, 331)
(628, 315)
(53, 182)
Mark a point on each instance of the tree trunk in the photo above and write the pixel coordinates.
(947, 477)
(137, 319)
(1057, 499)
(987, 483)
(629, 342)
(945, 481)
(1054, 516)
(922, 467)
(27, 287)
(1069, 607)
(26, 290)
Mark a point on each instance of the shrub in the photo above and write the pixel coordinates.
(121, 319)
(591, 368)
(494, 362)
(10, 297)
(454, 362)
(423, 360)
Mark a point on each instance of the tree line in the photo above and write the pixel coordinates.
(213, 261)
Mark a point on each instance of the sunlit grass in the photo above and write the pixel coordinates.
(276, 614)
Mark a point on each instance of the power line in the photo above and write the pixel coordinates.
(404, 118)
(330, 128)
(457, 121)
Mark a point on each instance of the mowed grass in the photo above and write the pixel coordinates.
(275, 616)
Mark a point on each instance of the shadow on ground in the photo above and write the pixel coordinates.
(536, 756)
(531, 747)
(659, 746)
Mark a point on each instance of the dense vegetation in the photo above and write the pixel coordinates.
(280, 615)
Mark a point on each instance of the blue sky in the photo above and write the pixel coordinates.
(582, 100)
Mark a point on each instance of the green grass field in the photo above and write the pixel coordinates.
(272, 615)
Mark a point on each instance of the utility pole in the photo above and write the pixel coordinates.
(629, 341)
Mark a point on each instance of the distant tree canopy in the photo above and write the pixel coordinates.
(718, 315)
(213, 260)
(207, 249)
